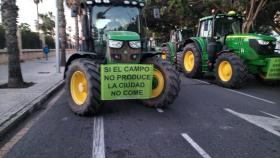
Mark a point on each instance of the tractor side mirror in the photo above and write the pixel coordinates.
(74, 11)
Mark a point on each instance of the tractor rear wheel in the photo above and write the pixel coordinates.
(166, 83)
(230, 71)
(83, 87)
(189, 61)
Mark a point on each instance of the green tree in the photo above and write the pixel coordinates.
(30, 40)
(9, 11)
(267, 18)
(252, 10)
(47, 25)
(24, 27)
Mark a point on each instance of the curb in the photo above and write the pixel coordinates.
(29, 108)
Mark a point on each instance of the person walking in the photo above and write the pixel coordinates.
(46, 51)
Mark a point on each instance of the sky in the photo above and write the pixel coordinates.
(28, 14)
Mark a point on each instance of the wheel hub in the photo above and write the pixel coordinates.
(158, 83)
(189, 61)
(81, 87)
(78, 87)
(164, 55)
(225, 71)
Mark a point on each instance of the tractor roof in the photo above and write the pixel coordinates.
(229, 14)
(124, 2)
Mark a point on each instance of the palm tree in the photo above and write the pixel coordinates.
(47, 25)
(69, 4)
(9, 11)
(37, 3)
(62, 31)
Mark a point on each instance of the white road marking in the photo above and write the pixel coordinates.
(160, 110)
(271, 125)
(248, 95)
(270, 114)
(201, 81)
(195, 146)
(98, 145)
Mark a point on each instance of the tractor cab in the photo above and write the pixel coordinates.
(221, 25)
(215, 29)
(112, 29)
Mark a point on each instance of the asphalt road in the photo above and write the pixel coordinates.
(206, 121)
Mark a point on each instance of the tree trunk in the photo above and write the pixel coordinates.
(9, 16)
(62, 31)
(252, 10)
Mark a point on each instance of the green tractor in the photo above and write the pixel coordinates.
(220, 49)
(114, 62)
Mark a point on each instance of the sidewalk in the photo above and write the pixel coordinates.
(15, 103)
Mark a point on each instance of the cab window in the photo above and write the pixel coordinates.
(205, 28)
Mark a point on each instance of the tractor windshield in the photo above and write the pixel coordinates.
(115, 18)
(228, 25)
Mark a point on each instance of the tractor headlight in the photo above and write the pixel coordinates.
(115, 44)
(126, 2)
(262, 42)
(135, 44)
(134, 2)
(142, 4)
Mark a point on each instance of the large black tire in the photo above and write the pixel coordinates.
(239, 72)
(91, 71)
(166, 55)
(171, 86)
(196, 70)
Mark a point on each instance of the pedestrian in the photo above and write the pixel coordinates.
(46, 51)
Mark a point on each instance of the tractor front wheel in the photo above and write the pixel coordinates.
(189, 61)
(230, 71)
(166, 83)
(83, 87)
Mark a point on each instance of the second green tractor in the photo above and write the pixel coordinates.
(223, 51)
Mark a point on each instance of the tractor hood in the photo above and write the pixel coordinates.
(253, 36)
(123, 36)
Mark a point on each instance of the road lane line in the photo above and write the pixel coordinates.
(248, 95)
(270, 114)
(269, 124)
(98, 145)
(201, 81)
(160, 110)
(195, 146)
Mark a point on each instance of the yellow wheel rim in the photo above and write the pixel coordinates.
(79, 87)
(189, 61)
(159, 81)
(225, 71)
(163, 55)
